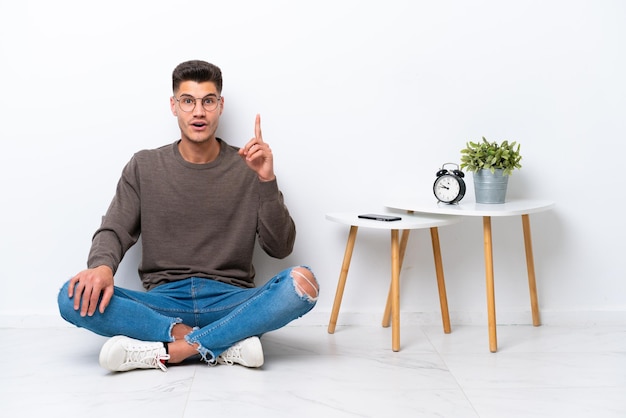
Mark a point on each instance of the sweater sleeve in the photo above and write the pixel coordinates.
(120, 226)
(276, 229)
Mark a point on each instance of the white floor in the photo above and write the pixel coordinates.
(537, 372)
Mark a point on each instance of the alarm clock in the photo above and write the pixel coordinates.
(449, 186)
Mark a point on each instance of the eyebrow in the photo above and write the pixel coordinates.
(208, 95)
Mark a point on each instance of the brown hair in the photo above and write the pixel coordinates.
(198, 71)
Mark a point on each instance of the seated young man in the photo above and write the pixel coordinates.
(199, 206)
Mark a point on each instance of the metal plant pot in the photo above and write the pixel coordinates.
(490, 187)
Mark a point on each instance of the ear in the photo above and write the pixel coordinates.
(173, 106)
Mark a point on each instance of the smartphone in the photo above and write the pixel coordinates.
(384, 218)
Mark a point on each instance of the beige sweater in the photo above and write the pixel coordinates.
(197, 220)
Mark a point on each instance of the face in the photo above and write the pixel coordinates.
(198, 125)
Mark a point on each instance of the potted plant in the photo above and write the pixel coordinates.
(491, 164)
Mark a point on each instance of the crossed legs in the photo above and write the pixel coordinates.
(222, 316)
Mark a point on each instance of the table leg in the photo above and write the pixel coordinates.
(403, 243)
(491, 302)
(441, 284)
(530, 265)
(342, 278)
(395, 291)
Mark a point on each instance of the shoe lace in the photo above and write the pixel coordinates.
(230, 355)
(138, 355)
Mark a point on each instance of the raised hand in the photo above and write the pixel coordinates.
(258, 155)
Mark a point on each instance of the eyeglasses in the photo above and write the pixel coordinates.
(188, 103)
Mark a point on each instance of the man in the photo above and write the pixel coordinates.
(199, 205)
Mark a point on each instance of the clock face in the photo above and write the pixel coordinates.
(449, 189)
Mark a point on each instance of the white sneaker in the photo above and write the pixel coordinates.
(248, 352)
(121, 353)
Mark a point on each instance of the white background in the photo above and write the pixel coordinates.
(360, 101)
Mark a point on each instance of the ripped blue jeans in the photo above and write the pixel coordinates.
(221, 314)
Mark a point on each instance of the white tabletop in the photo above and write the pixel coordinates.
(471, 208)
(407, 222)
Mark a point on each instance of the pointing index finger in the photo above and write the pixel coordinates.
(257, 128)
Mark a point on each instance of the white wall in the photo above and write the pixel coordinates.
(360, 101)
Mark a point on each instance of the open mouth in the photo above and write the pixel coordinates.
(198, 125)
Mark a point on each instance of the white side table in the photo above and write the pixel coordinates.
(514, 207)
(398, 247)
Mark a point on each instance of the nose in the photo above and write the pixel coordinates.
(198, 109)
